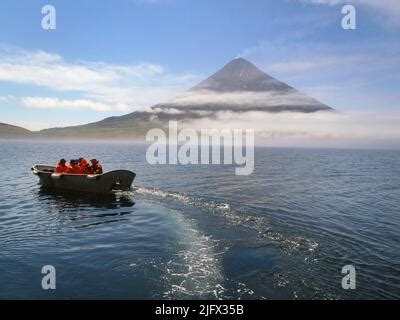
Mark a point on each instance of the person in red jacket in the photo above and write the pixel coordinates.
(83, 164)
(96, 167)
(61, 167)
(74, 167)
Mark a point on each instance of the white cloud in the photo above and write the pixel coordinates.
(55, 103)
(121, 87)
(313, 63)
(165, 110)
(6, 98)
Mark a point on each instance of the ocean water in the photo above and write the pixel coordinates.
(200, 232)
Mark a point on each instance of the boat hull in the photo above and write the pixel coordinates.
(100, 183)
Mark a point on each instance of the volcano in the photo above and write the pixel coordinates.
(241, 86)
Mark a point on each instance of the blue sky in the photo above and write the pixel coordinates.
(112, 57)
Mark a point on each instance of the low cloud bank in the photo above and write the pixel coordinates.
(371, 128)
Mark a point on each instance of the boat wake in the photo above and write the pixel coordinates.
(197, 270)
(260, 224)
(180, 197)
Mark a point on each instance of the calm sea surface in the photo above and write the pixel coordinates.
(200, 232)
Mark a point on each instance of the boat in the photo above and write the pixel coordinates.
(116, 180)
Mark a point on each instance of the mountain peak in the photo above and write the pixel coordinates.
(242, 62)
(241, 75)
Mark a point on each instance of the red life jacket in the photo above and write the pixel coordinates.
(83, 165)
(61, 168)
(74, 169)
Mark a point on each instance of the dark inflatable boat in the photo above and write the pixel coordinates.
(120, 180)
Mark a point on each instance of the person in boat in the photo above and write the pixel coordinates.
(74, 167)
(87, 169)
(82, 162)
(61, 166)
(96, 167)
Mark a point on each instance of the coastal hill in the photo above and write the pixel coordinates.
(10, 131)
(238, 87)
